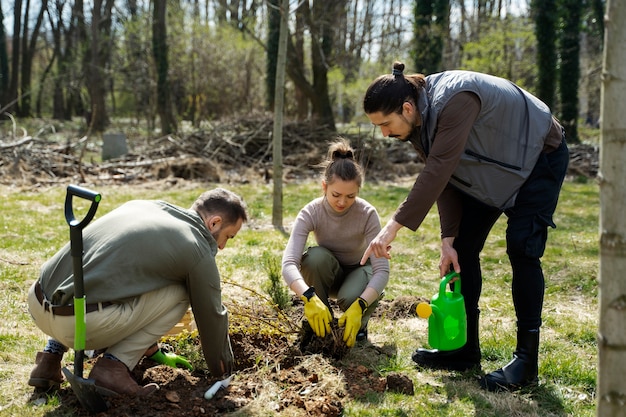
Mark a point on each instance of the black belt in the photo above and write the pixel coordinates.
(65, 310)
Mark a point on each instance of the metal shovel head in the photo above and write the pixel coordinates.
(90, 396)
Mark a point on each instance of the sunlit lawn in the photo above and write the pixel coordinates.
(32, 228)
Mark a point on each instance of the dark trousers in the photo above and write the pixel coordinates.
(526, 236)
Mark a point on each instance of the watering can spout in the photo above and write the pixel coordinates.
(425, 311)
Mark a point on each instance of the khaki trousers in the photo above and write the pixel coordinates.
(126, 329)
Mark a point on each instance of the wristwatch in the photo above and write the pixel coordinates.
(363, 304)
(309, 293)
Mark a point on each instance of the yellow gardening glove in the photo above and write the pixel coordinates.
(316, 312)
(351, 319)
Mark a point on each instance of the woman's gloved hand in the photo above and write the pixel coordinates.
(351, 320)
(316, 312)
(171, 359)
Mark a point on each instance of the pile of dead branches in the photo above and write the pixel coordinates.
(233, 150)
(583, 161)
(244, 144)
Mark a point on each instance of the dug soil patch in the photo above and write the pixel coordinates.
(273, 374)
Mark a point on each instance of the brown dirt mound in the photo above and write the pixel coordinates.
(398, 308)
(312, 382)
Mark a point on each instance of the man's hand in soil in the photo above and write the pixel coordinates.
(316, 312)
(351, 319)
(171, 359)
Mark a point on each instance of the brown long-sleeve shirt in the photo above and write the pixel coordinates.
(453, 128)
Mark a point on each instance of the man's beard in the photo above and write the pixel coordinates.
(415, 138)
(414, 133)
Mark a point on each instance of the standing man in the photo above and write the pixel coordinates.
(490, 148)
(144, 263)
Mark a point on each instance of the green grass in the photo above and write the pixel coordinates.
(32, 228)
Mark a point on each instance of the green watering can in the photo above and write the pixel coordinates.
(447, 323)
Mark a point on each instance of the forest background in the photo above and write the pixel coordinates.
(175, 71)
(166, 65)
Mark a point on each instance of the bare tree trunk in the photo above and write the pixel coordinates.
(273, 39)
(302, 103)
(42, 81)
(612, 334)
(431, 34)
(29, 47)
(279, 104)
(136, 76)
(15, 57)
(569, 74)
(221, 11)
(96, 60)
(4, 63)
(545, 12)
(76, 45)
(58, 98)
(159, 49)
(322, 19)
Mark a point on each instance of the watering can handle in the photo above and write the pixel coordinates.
(446, 280)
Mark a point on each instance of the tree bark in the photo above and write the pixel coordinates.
(431, 32)
(322, 19)
(58, 96)
(42, 80)
(159, 49)
(302, 102)
(95, 62)
(273, 36)
(612, 333)
(13, 98)
(545, 15)
(277, 136)
(569, 74)
(76, 45)
(4, 62)
(29, 47)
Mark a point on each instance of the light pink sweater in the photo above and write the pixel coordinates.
(346, 235)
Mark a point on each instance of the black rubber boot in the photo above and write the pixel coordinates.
(522, 371)
(463, 359)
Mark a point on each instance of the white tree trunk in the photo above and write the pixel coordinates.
(612, 332)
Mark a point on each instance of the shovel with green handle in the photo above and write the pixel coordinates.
(90, 396)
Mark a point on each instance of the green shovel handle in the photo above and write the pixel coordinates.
(76, 250)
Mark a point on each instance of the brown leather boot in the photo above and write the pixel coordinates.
(47, 372)
(115, 376)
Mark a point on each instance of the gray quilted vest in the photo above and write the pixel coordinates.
(504, 143)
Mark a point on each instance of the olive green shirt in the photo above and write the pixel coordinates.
(142, 246)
